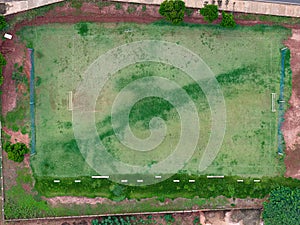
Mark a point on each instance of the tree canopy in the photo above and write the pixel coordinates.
(282, 207)
(210, 12)
(227, 20)
(16, 151)
(172, 10)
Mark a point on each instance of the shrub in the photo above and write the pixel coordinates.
(131, 9)
(3, 23)
(282, 207)
(172, 10)
(118, 6)
(144, 8)
(16, 151)
(82, 28)
(169, 218)
(209, 12)
(77, 4)
(227, 20)
(189, 12)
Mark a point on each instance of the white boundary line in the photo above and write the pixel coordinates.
(273, 102)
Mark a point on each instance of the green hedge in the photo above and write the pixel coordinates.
(2, 63)
(203, 187)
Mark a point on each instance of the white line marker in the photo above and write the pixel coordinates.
(124, 181)
(256, 181)
(77, 181)
(215, 177)
(70, 105)
(240, 181)
(176, 181)
(192, 181)
(140, 181)
(273, 102)
(157, 177)
(100, 177)
(56, 181)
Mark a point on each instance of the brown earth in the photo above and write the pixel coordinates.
(291, 125)
(15, 52)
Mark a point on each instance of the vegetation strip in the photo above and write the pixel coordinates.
(32, 109)
(133, 214)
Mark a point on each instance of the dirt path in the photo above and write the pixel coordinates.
(17, 136)
(291, 125)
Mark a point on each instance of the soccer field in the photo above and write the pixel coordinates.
(245, 62)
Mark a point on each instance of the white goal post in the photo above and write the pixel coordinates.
(70, 100)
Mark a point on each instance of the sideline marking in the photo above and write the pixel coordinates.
(77, 181)
(192, 181)
(215, 177)
(240, 181)
(140, 181)
(256, 181)
(273, 102)
(176, 181)
(100, 177)
(157, 177)
(56, 181)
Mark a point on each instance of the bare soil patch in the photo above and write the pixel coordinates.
(17, 136)
(291, 125)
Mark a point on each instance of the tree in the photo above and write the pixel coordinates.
(172, 10)
(16, 151)
(3, 23)
(227, 20)
(210, 12)
(282, 207)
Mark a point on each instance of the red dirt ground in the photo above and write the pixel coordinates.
(16, 53)
(291, 125)
(17, 136)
